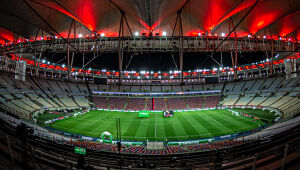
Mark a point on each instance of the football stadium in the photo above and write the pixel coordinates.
(150, 84)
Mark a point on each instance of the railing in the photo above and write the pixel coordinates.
(151, 44)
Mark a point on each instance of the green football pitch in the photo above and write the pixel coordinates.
(183, 126)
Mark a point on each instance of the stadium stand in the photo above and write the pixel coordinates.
(135, 104)
(195, 102)
(117, 103)
(159, 104)
(212, 101)
(176, 104)
(101, 102)
(243, 93)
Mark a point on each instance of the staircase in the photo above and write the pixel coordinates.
(126, 103)
(265, 100)
(204, 103)
(186, 104)
(72, 97)
(166, 106)
(279, 99)
(107, 102)
(34, 101)
(252, 99)
(61, 103)
(37, 103)
(240, 96)
(146, 103)
(39, 85)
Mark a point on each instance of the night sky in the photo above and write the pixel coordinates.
(158, 61)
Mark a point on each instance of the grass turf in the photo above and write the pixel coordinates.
(263, 114)
(183, 126)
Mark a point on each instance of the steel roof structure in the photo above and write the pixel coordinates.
(28, 18)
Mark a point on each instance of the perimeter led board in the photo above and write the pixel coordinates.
(144, 114)
(80, 150)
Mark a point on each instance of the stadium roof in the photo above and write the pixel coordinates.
(27, 18)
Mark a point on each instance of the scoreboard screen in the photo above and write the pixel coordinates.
(80, 150)
(168, 113)
(144, 114)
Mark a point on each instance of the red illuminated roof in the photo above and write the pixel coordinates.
(269, 17)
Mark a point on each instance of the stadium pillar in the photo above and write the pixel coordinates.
(120, 41)
(272, 55)
(284, 156)
(254, 161)
(37, 63)
(181, 47)
(179, 17)
(153, 104)
(234, 59)
(120, 48)
(74, 24)
(68, 51)
(10, 152)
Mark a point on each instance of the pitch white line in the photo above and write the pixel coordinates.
(155, 123)
(219, 122)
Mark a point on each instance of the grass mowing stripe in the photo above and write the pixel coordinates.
(202, 129)
(185, 125)
(150, 129)
(87, 126)
(236, 123)
(133, 128)
(160, 128)
(243, 119)
(168, 128)
(225, 121)
(189, 129)
(219, 122)
(208, 126)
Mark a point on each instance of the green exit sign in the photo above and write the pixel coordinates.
(79, 150)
